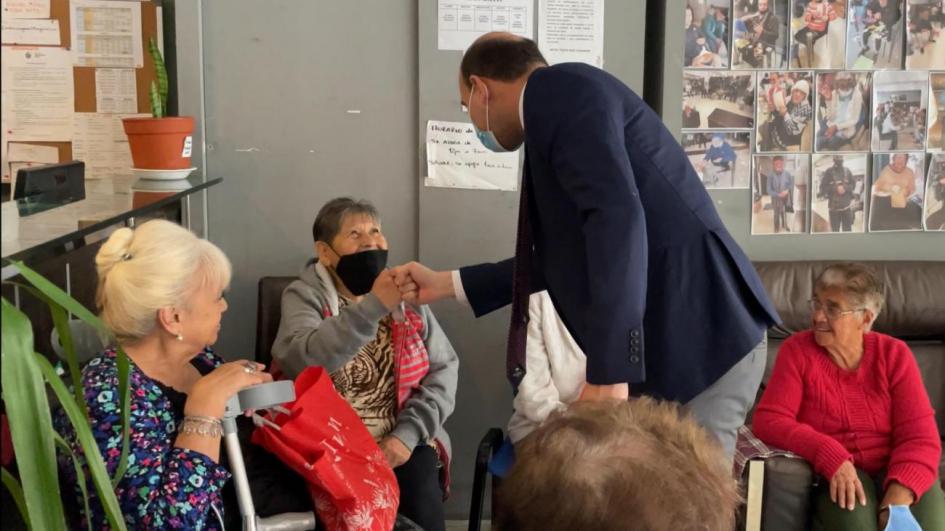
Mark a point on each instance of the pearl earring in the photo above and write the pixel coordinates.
(180, 337)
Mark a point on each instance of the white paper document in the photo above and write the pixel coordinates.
(20, 152)
(21, 155)
(30, 31)
(24, 9)
(10, 176)
(456, 159)
(107, 33)
(37, 92)
(101, 143)
(571, 31)
(4, 162)
(460, 23)
(5, 169)
(115, 90)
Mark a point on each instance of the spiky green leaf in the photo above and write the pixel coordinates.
(27, 407)
(157, 109)
(124, 369)
(61, 322)
(160, 71)
(86, 439)
(60, 297)
(16, 492)
(79, 474)
(53, 295)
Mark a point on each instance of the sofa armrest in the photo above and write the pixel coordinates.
(786, 498)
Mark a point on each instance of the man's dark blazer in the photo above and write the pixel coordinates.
(627, 242)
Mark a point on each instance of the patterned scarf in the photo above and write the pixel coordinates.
(412, 361)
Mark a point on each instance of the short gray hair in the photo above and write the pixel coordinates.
(614, 460)
(332, 214)
(858, 282)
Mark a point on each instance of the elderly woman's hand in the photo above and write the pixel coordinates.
(386, 290)
(395, 451)
(846, 488)
(209, 395)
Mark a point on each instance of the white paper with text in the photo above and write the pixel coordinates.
(24, 9)
(456, 159)
(107, 33)
(116, 90)
(460, 23)
(38, 94)
(30, 31)
(101, 143)
(572, 31)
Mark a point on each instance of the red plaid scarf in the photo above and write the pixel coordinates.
(412, 362)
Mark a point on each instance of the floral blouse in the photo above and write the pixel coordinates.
(164, 487)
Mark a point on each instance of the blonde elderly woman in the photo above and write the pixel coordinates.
(852, 403)
(160, 292)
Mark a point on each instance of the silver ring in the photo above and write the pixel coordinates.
(249, 367)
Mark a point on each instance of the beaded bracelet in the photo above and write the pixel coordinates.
(200, 425)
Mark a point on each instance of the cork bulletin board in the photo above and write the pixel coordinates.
(84, 77)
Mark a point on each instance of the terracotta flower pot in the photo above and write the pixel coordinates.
(160, 143)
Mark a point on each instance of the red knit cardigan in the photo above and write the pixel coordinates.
(878, 415)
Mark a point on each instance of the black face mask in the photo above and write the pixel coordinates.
(359, 270)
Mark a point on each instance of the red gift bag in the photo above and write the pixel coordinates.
(324, 441)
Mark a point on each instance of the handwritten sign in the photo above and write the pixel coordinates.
(29, 31)
(24, 9)
(456, 159)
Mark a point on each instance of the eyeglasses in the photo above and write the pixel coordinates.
(832, 312)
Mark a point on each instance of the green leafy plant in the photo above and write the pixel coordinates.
(158, 91)
(25, 377)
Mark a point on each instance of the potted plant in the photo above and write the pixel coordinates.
(161, 142)
(27, 377)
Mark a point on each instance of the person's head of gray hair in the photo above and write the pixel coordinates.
(332, 215)
(860, 285)
(602, 464)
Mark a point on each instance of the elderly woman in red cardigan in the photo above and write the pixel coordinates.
(852, 403)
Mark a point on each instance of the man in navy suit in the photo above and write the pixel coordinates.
(616, 225)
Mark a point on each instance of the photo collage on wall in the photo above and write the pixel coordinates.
(831, 112)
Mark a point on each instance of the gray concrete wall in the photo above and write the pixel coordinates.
(303, 102)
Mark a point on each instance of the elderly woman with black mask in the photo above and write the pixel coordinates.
(392, 362)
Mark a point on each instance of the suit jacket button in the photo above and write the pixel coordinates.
(634, 342)
(634, 333)
(518, 372)
(634, 359)
(634, 350)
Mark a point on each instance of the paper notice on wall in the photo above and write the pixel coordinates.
(101, 143)
(38, 94)
(21, 155)
(460, 23)
(30, 31)
(20, 152)
(15, 167)
(115, 90)
(456, 159)
(106, 33)
(571, 31)
(24, 9)
(4, 166)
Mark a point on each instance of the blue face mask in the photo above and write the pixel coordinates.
(487, 137)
